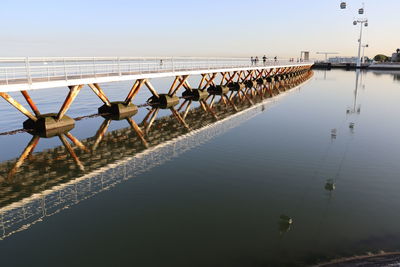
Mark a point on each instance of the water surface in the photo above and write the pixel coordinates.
(214, 197)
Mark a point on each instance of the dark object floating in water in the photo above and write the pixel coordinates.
(330, 186)
(284, 223)
(333, 133)
(285, 218)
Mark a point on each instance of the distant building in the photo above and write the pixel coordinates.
(342, 60)
(396, 56)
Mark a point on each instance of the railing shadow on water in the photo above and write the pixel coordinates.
(38, 185)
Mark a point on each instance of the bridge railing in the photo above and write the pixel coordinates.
(29, 70)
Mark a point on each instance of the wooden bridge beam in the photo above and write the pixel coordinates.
(18, 106)
(134, 90)
(210, 80)
(182, 80)
(203, 78)
(239, 79)
(151, 88)
(231, 77)
(100, 93)
(73, 92)
(173, 84)
(260, 74)
(30, 103)
(249, 74)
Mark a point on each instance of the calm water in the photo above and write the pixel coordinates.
(214, 196)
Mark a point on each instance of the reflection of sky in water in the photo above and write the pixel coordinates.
(221, 202)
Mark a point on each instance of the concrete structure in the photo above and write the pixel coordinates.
(342, 60)
(396, 56)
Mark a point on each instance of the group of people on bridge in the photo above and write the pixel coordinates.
(255, 60)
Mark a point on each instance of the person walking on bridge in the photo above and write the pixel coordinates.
(265, 60)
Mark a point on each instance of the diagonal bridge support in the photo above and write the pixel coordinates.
(45, 124)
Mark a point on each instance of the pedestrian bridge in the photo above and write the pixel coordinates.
(223, 77)
(17, 74)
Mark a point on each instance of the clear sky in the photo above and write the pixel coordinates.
(193, 28)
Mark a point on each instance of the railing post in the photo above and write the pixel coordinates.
(119, 67)
(94, 67)
(28, 71)
(65, 70)
(6, 74)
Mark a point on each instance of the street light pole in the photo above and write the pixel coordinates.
(363, 22)
(359, 47)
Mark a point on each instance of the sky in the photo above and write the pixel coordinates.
(215, 28)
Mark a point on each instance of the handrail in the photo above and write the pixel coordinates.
(41, 69)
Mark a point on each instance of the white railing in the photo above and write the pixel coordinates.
(30, 70)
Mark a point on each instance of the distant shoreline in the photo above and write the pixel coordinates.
(373, 66)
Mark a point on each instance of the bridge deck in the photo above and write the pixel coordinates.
(18, 74)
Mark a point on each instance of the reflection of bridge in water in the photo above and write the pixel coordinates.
(38, 185)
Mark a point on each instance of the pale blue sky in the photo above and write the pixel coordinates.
(193, 28)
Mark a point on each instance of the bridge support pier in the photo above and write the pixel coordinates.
(45, 123)
(118, 109)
